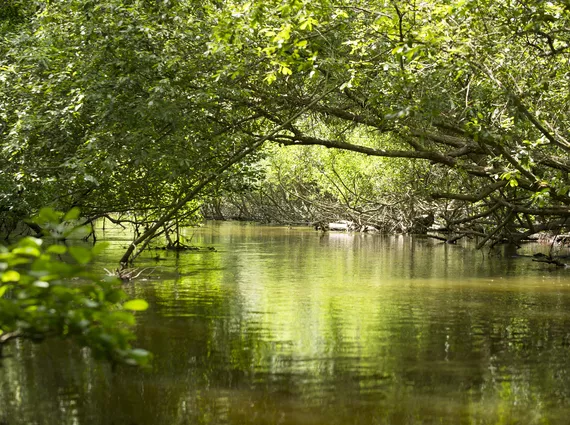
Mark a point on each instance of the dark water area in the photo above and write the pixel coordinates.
(287, 326)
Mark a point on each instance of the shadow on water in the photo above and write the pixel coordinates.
(286, 326)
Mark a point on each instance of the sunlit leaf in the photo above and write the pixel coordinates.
(10, 276)
(136, 305)
(3, 289)
(80, 254)
(56, 249)
(72, 214)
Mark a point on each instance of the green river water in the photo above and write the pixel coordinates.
(289, 326)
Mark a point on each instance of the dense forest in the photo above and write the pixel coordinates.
(448, 118)
(384, 113)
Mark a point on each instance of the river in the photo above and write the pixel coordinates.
(288, 326)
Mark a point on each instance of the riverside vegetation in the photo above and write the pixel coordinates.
(152, 114)
(43, 296)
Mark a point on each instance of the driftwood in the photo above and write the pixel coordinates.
(346, 226)
(554, 261)
(548, 259)
(449, 240)
(342, 225)
(127, 274)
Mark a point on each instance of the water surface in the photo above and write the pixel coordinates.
(289, 326)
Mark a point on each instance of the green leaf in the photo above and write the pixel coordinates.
(72, 214)
(99, 247)
(270, 77)
(136, 305)
(114, 296)
(41, 284)
(42, 298)
(3, 289)
(27, 250)
(11, 276)
(284, 34)
(49, 215)
(139, 357)
(80, 254)
(90, 303)
(124, 317)
(56, 249)
(30, 241)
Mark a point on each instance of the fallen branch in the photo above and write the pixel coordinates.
(550, 260)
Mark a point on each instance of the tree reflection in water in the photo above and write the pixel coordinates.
(284, 326)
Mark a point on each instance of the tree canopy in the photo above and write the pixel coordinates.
(141, 111)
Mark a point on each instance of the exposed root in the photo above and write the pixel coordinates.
(127, 274)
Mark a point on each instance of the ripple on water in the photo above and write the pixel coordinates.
(286, 326)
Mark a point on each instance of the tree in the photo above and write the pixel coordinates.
(138, 111)
(475, 88)
(105, 106)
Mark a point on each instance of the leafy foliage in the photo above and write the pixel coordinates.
(141, 109)
(42, 296)
(116, 100)
(478, 89)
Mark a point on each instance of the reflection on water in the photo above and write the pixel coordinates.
(286, 326)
